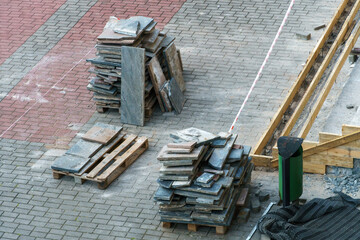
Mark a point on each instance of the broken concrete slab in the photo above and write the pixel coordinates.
(303, 36)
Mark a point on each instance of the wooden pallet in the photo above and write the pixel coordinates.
(221, 230)
(101, 109)
(107, 167)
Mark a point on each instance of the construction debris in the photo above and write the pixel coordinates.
(193, 191)
(136, 67)
(303, 36)
(319, 27)
(100, 156)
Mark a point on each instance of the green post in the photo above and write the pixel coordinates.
(295, 175)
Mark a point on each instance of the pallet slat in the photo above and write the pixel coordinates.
(111, 156)
(128, 157)
(220, 230)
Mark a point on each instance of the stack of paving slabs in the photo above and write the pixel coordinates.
(201, 177)
(100, 156)
(136, 67)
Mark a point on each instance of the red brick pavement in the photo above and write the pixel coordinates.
(54, 111)
(20, 19)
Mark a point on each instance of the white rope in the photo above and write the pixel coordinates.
(263, 64)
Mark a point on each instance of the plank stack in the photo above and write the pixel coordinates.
(136, 67)
(201, 179)
(100, 156)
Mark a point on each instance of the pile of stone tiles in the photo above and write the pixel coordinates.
(152, 59)
(201, 177)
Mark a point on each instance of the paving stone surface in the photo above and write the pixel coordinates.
(46, 94)
(222, 43)
(20, 19)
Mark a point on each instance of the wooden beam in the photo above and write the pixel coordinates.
(330, 160)
(309, 167)
(330, 81)
(325, 137)
(296, 86)
(261, 160)
(347, 129)
(315, 81)
(332, 144)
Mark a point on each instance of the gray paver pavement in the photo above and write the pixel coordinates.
(223, 44)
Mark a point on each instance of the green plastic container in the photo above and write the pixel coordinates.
(296, 175)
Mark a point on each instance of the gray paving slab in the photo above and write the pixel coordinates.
(133, 86)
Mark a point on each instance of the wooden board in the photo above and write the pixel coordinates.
(298, 82)
(111, 156)
(133, 86)
(316, 79)
(101, 154)
(309, 167)
(331, 79)
(329, 160)
(332, 144)
(347, 129)
(261, 160)
(220, 230)
(174, 65)
(243, 196)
